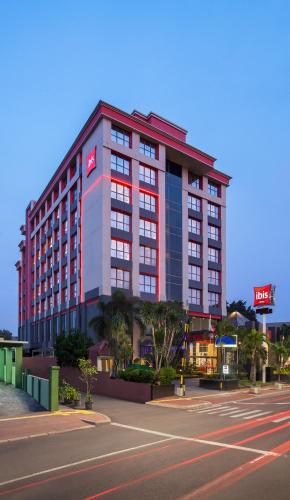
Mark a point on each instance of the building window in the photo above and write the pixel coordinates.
(147, 256)
(74, 218)
(213, 299)
(147, 148)
(212, 210)
(213, 233)
(147, 229)
(213, 255)
(120, 136)
(194, 250)
(194, 226)
(64, 273)
(74, 195)
(74, 266)
(147, 284)
(65, 249)
(120, 164)
(194, 273)
(194, 296)
(63, 323)
(120, 278)
(120, 221)
(194, 203)
(73, 320)
(213, 189)
(195, 181)
(74, 242)
(213, 277)
(73, 291)
(120, 192)
(120, 250)
(147, 202)
(147, 174)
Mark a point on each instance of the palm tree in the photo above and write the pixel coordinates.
(165, 322)
(254, 351)
(281, 352)
(114, 323)
(149, 317)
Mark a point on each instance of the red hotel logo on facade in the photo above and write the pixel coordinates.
(263, 295)
(91, 161)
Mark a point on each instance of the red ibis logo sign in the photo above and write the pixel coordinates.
(91, 161)
(263, 295)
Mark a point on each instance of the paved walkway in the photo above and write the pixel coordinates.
(16, 402)
(201, 399)
(46, 423)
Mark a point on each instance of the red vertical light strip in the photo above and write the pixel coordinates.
(81, 256)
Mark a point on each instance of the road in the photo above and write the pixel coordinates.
(231, 450)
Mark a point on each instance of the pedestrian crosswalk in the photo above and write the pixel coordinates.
(226, 410)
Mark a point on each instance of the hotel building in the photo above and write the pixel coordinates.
(131, 206)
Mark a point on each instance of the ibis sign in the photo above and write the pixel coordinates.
(263, 295)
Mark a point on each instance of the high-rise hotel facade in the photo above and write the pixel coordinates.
(132, 206)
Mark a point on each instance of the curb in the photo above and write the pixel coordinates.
(91, 423)
(177, 407)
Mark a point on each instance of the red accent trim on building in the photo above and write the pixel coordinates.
(204, 315)
(136, 123)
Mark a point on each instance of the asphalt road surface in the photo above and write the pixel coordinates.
(234, 450)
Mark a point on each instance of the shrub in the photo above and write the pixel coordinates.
(146, 376)
(69, 348)
(67, 391)
(166, 375)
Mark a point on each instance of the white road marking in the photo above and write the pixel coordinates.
(258, 415)
(213, 410)
(281, 419)
(195, 440)
(231, 411)
(243, 413)
(80, 462)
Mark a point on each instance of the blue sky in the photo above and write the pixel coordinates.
(221, 69)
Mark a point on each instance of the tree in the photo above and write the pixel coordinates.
(241, 307)
(253, 350)
(165, 319)
(70, 348)
(89, 372)
(119, 341)
(281, 352)
(285, 333)
(115, 324)
(6, 334)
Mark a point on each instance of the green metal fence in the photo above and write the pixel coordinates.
(44, 391)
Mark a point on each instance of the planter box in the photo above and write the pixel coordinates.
(162, 391)
(217, 384)
(278, 386)
(255, 390)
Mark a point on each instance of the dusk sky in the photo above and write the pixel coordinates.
(220, 69)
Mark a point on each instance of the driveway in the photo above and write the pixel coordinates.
(16, 402)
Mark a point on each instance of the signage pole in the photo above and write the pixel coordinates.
(265, 345)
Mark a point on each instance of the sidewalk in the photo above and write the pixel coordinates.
(199, 400)
(46, 423)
